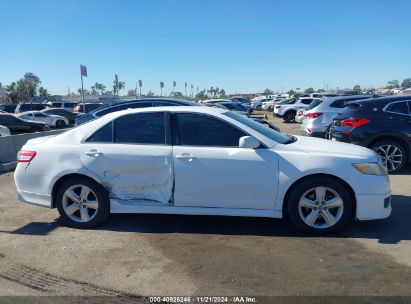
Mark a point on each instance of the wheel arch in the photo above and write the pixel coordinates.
(64, 178)
(393, 137)
(338, 179)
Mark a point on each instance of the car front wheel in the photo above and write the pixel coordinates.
(82, 203)
(60, 124)
(320, 205)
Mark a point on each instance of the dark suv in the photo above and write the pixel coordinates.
(382, 124)
(132, 104)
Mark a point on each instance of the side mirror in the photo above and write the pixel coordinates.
(248, 142)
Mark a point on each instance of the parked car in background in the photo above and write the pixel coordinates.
(299, 116)
(382, 124)
(66, 105)
(289, 111)
(243, 100)
(319, 116)
(18, 125)
(269, 105)
(51, 120)
(70, 116)
(24, 107)
(4, 131)
(202, 161)
(234, 106)
(301, 113)
(89, 107)
(257, 104)
(8, 108)
(133, 104)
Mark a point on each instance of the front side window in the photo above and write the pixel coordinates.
(142, 128)
(203, 130)
(399, 107)
(103, 135)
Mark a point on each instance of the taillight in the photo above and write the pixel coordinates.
(313, 115)
(300, 112)
(76, 109)
(354, 122)
(25, 156)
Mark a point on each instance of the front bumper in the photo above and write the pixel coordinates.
(373, 207)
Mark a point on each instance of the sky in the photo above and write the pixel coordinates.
(239, 45)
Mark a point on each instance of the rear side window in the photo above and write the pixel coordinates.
(338, 103)
(399, 107)
(103, 135)
(306, 101)
(56, 104)
(203, 130)
(313, 104)
(142, 128)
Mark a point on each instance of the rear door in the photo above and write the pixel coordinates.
(133, 157)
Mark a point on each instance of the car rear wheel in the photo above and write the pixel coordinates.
(82, 203)
(60, 124)
(259, 108)
(289, 116)
(392, 154)
(320, 205)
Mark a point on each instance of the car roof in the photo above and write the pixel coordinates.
(204, 110)
(383, 100)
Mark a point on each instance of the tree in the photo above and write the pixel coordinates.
(268, 92)
(43, 92)
(94, 90)
(176, 94)
(27, 86)
(118, 86)
(309, 91)
(406, 83)
(321, 91)
(393, 84)
(291, 92)
(201, 95)
(149, 94)
(11, 90)
(357, 88)
(131, 93)
(222, 94)
(86, 92)
(100, 87)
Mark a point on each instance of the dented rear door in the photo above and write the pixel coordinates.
(132, 158)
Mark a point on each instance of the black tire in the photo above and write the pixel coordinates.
(379, 146)
(102, 212)
(320, 181)
(60, 124)
(289, 116)
(270, 108)
(259, 108)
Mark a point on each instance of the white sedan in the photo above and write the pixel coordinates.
(202, 161)
(52, 120)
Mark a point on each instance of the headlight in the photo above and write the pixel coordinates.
(371, 168)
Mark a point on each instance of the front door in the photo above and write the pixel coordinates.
(212, 171)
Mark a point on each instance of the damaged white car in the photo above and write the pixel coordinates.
(200, 161)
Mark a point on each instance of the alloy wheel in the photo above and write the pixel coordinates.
(80, 203)
(320, 207)
(391, 156)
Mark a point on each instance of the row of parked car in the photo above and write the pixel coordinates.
(35, 117)
(380, 123)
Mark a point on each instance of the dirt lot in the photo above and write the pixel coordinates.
(134, 255)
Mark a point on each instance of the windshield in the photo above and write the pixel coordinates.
(270, 133)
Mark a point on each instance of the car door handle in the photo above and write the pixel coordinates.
(93, 153)
(185, 156)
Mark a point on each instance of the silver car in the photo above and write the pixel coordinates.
(317, 119)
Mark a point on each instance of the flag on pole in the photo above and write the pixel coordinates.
(185, 85)
(140, 83)
(174, 84)
(83, 70)
(191, 86)
(161, 84)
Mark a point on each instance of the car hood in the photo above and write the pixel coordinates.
(328, 148)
